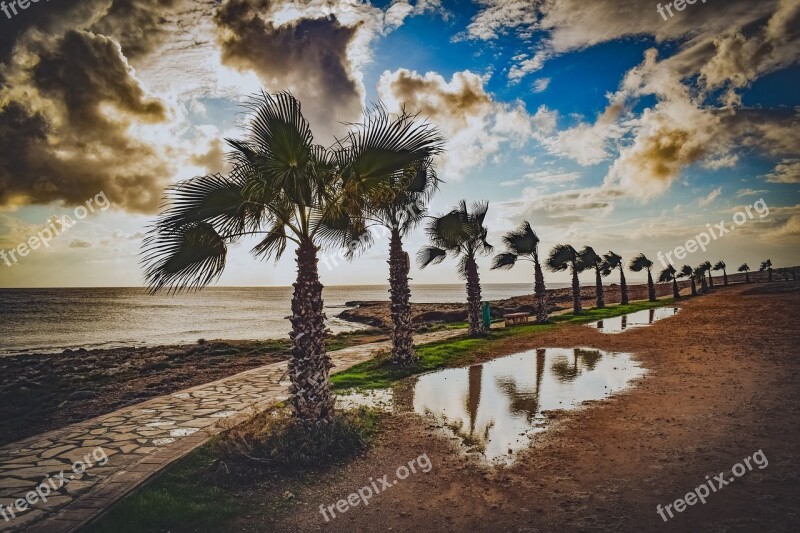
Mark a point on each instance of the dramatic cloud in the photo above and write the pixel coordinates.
(787, 171)
(474, 124)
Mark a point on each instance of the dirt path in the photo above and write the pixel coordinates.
(722, 384)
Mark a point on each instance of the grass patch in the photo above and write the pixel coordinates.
(184, 497)
(380, 372)
(208, 488)
(280, 443)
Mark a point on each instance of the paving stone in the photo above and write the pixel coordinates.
(140, 439)
(52, 452)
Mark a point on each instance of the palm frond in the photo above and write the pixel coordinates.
(561, 257)
(667, 274)
(720, 265)
(639, 263)
(686, 271)
(522, 241)
(588, 259)
(504, 261)
(430, 255)
(744, 268)
(185, 257)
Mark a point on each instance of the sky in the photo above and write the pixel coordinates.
(602, 123)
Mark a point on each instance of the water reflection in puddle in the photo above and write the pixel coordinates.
(495, 408)
(639, 319)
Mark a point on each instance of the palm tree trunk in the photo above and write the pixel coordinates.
(651, 289)
(402, 330)
(676, 293)
(769, 273)
(703, 285)
(747, 277)
(710, 279)
(599, 290)
(724, 277)
(309, 366)
(474, 298)
(539, 291)
(694, 288)
(623, 285)
(576, 291)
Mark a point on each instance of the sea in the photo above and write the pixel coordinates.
(52, 320)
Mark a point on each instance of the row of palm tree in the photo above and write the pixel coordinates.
(285, 188)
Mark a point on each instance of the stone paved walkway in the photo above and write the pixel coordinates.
(138, 441)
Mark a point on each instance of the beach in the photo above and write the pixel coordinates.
(708, 400)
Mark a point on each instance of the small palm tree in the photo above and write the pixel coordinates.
(687, 272)
(588, 259)
(700, 274)
(746, 269)
(524, 244)
(284, 188)
(767, 265)
(667, 275)
(612, 261)
(707, 268)
(563, 257)
(399, 207)
(639, 263)
(461, 233)
(722, 266)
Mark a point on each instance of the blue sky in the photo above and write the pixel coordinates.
(600, 123)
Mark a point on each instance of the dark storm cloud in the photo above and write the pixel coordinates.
(68, 98)
(306, 56)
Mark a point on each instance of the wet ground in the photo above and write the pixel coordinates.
(639, 319)
(709, 399)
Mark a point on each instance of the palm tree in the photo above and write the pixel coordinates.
(746, 269)
(639, 263)
(613, 261)
(461, 233)
(707, 268)
(524, 244)
(700, 274)
(667, 275)
(722, 266)
(563, 257)
(687, 272)
(284, 188)
(588, 258)
(399, 208)
(767, 265)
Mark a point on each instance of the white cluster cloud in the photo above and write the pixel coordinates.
(475, 125)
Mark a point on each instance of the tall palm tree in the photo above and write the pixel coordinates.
(722, 266)
(667, 275)
(399, 208)
(284, 188)
(746, 269)
(700, 274)
(767, 265)
(563, 257)
(588, 258)
(707, 268)
(613, 261)
(461, 233)
(524, 244)
(687, 272)
(639, 263)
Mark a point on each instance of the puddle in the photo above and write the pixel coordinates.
(496, 408)
(639, 319)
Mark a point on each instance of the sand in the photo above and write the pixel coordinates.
(722, 384)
